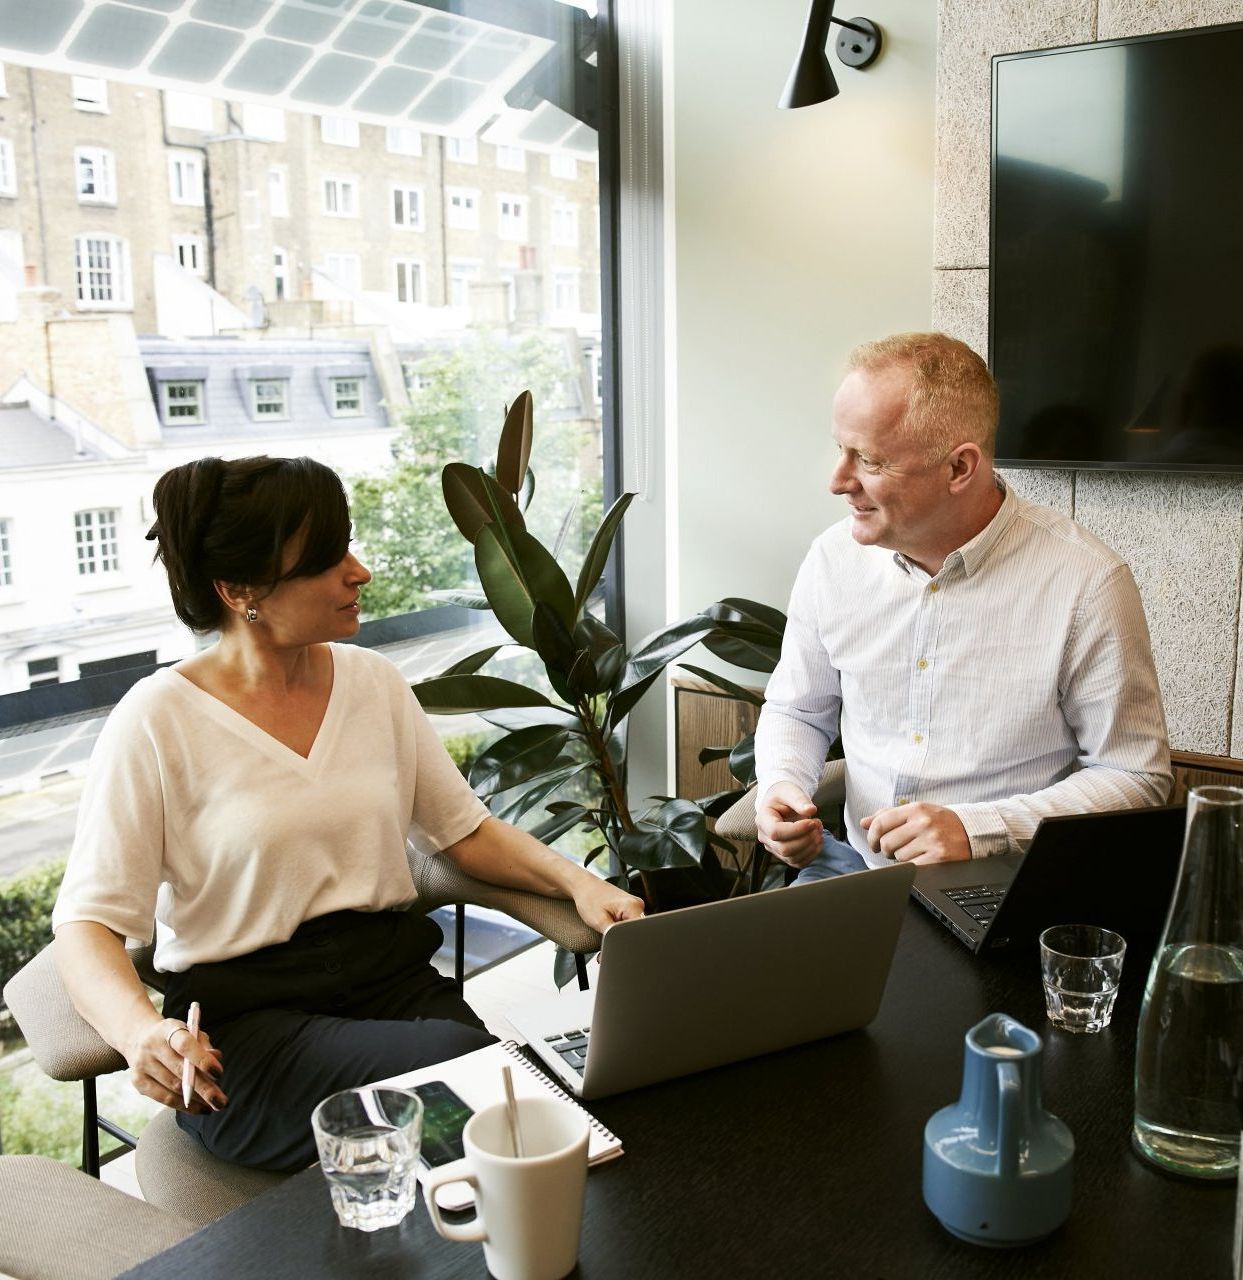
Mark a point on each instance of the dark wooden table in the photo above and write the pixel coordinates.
(807, 1162)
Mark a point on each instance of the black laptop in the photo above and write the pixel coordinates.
(1114, 869)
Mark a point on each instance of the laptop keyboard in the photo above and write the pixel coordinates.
(979, 901)
(571, 1047)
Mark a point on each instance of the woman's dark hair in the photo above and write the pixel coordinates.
(229, 521)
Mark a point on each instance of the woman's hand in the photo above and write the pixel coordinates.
(155, 1059)
(602, 904)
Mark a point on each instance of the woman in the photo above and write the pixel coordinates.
(255, 800)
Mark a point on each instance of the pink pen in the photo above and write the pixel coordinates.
(187, 1067)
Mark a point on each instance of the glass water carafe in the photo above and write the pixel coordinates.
(1189, 1056)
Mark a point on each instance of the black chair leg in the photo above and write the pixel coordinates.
(90, 1129)
(580, 964)
(459, 944)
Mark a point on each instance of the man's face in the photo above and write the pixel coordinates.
(896, 499)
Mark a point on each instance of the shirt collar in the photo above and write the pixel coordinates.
(971, 555)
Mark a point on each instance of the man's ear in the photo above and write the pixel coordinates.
(964, 463)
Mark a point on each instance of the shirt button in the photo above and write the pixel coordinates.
(904, 799)
(333, 966)
(934, 586)
(922, 664)
(917, 737)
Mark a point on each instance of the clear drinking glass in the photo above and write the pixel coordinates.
(1081, 965)
(368, 1142)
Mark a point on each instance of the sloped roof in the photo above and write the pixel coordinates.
(27, 440)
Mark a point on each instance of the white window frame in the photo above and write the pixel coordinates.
(262, 122)
(8, 168)
(186, 110)
(169, 402)
(112, 277)
(90, 93)
(190, 253)
(462, 271)
(339, 131)
(97, 542)
(565, 223)
(345, 270)
(278, 191)
(341, 183)
(513, 158)
(563, 303)
(407, 276)
(406, 205)
(511, 216)
(281, 276)
(103, 175)
(462, 208)
(336, 396)
(261, 395)
(403, 140)
(6, 551)
(563, 165)
(462, 150)
(185, 178)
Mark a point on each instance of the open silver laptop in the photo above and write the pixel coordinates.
(696, 988)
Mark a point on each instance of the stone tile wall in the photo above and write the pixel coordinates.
(1183, 535)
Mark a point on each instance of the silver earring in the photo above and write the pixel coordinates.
(252, 614)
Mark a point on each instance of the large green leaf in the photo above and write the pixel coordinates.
(650, 849)
(468, 666)
(511, 718)
(513, 807)
(736, 609)
(683, 822)
(598, 552)
(650, 658)
(557, 824)
(622, 702)
(517, 571)
(475, 500)
(454, 695)
(514, 451)
(551, 639)
(517, 758)
(743, 646)
(742, 760)
(738, 691)
(606, 649)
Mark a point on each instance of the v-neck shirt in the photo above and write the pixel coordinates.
(197, 818)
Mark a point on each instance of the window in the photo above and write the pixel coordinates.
(511, 217)
(185, 177)
(402, 140)
(41, 671)
(462, 150)
(6, 553)
(347, 397)
(461, 273)
(565, 291)
(341, 197)
(511, 158)
(95, 175)
(89, 94)
(345, 269)
(280, 274)
(463, 208)
(408, 280)
(101, 264)
(561, 165)
(188, 110)
(8, 169)
(595, 373)
(340, 131)
(191, 253)
(278, 192)
(269, 398)
(408, 208)
(565, 224)
(95, 533)
(181, 403)
(265, 124)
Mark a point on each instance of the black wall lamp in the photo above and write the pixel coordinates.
(811, 78)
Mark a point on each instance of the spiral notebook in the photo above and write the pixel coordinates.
(476, 1079)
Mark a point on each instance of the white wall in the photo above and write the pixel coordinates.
(790, 237)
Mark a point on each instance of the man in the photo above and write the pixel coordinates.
(986, 660)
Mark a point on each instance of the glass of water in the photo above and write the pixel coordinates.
(1081, 965)
(368, 1142)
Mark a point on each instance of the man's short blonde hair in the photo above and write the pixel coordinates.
(953, 397)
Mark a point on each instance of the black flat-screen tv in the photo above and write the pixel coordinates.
(1116, 267)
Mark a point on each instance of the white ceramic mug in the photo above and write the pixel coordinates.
(529, 1208)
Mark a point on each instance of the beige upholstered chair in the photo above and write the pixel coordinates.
(174, 1172)
(738, 821)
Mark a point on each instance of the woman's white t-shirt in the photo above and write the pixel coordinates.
(198, 819)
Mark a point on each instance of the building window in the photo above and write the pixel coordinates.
(461, 273)
(595, 373)
(565, 291)
(185, 178)
(264, 124)
(101, 264)
(408, 208)
(345, 269)
(409, 279)
(8, 169)
(511, 158)
(347, 397)
(191, 253)
(89, 94)
(463, 150)
(565, 224)
(463, 208)
(41, 671)
(511, 217)
(561, 165)
(340, 131)
(95, 533)
(278, 192)
(269, 398)
(6, 553)
(280, 274)
(341, 197)
(402, 140)
(181, 403)
(188, 110)
(96, 175)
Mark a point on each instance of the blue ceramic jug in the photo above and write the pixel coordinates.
(997, 1166)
